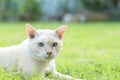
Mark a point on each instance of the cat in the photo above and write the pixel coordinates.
(36, 53)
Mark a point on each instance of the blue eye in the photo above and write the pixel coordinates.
(40, 44)
(54, 44)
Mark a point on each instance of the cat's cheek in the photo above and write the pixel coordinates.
(59, 48)
(37, 48)
(56, 51)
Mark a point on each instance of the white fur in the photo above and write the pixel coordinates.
(28, 56)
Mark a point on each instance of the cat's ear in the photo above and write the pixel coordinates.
(59, 31)
(30, 30)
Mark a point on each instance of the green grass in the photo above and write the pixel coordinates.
(91, 51)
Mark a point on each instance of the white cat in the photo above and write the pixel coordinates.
(35, 53)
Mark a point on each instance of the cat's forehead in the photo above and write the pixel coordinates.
(45, 32)
(47, 35)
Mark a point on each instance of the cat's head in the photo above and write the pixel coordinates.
(44, 44)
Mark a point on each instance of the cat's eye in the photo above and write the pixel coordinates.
(54, 44)
(41, 44)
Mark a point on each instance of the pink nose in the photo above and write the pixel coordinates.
(49, 53)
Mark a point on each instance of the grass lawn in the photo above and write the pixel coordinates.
(91, 51)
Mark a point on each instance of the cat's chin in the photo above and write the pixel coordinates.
(49, 58)
(46, 59)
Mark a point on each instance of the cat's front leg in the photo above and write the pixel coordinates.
(63, 77)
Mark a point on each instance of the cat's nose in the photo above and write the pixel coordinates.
(49, 53)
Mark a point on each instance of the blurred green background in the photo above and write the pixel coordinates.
(60, 10)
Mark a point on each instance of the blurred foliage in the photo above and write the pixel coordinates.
(101, 4)
(12, 10)
(29, 10)
(8, 10)
(94, 4)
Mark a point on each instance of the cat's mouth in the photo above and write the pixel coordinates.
(49, 57)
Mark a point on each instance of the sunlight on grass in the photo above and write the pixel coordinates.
(90, 50)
